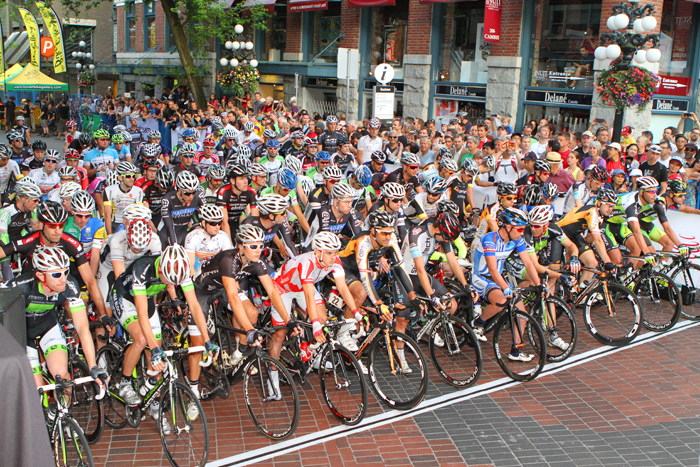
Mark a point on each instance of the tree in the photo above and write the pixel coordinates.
(195, 25)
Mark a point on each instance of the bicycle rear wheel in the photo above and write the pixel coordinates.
(70, 447)
(660, 299)
(458, 361)
(531, 354)
(688, 284)
(617, 325)
(86, 410)
(111, 358)
(274, 408)
(188, 442)
(560, 318)
(343, 384)
(398, 388)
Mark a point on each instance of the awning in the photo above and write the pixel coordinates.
(307, 5)
(365, 3)
(269, 4)
(31, 79)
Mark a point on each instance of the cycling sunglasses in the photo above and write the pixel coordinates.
(254, 247)
(52, 225)
(52, 161)
(214, 223)
(188, 193)
(129, 175)
(57, 275)
(509, 198)
(82, 216)
(413, 167)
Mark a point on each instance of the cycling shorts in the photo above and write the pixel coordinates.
(654, 234)
(287, 298)
(50, 340)
(126, 313)
(437, 286)
(617, 234)
(484, 285)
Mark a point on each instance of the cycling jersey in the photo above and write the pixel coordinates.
(190, 168)
(578, 191)
(361, 198)
(229, 263)
(314, 175)
(345, 162)
(421, 200)
(46, 182)
(291, 200)
(323, 220)
(288, 149)
(176, 217)
(209, 193)
(492, 244)
(397, 176)
(91, 236)
(116, 248)
(272, 166)
(282, 230)
(318, 198)
(123, 152)
(120, 200)
(420, 243)
(153, 196)
(205, 246)
(305, 269)
(100, 159)
(27, 244)
(548, 246)
(8, 175)
(329, 140)
(31, 163)
(457, 192)
(205, 162)
(399, 215)
(578, 221)
(15, 223)
(235, 204)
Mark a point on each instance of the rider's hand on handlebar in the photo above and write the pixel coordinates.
(318, 332)
(212, 349)
(508, 292)
(609, 266)
(100, 376)
(649, 258)
(436, 302)
(575, 264)
(684, 250)
(158, 359)
(253, 337)
(384, 265)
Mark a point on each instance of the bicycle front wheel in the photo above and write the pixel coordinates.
(70, 447)
(660, 299)
(398, 370)
(688, 282)
(111, 358)
(85, 408)
(519, 344)
(271, 397)
(343, 384)
(613, 320)
(558, 322)
(458, 360)
(182, 418)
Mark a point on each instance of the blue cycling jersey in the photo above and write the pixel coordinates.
(492, 244)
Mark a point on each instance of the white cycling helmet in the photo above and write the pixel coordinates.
(46, 258)
(250, 233)
(393, 190)
(332, 173)
(229, 133)
(82, 201)
(408, 158)
(307, 185)
(342, 190)
(646, 182)
(175, 265)
(186, 181)
(112, 178)
(69, 189)
(68, 171)
(139, 234)
(257, 170)
(27, 188)
(249, 126)
(449, 164)
(136, 211)
(294, 164)
(244, 151)
(541, 215)
(187, 148)
(272, 204)
(210, 213)
(127, 136)
(326, 241)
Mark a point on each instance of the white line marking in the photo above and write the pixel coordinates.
(311, 439)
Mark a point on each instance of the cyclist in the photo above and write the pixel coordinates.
(459, 187)
(258, 176)
(235, 198)
(675, 195)
(379, 241)
(273, 222)
(18, 151)
(206, 157)
(101, 158)
(363, 193)
(63, 194)
(17, 219)
(272, 161)
(542, 171)
(118, 197)
(36, 160)
(120, 148)
(247, 135)
(321, 195)
(491, 252)
(72, 159)
(581, 193)
(308, 159)
(532, 197)
(429, 198)
(343, 158)
(330, 139)
(334, 217)
(203, 243)
(149, 156)
(583, 226)
(47, 287)
(89, 230)
(294, 165)
(286, 187)
(149, 170)
(507, 196)
(376, 165)
(391, 201)
(72, 134)
(154, 190)
(47, 177)
(323, 161)
(444, 168)
(82, 143)
(215, 178)
(178, 209)
(244, 155)
(406, 175)
(132, 301)
(226, 148)
(9, 172)
(294, 146)
(186, 155)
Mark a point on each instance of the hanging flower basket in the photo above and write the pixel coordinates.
(623, 89)
(238, 80)
(86, 78)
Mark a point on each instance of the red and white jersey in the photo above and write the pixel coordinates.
(305, 269)
(204, 162)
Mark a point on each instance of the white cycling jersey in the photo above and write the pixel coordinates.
(205, 246)
(305, 269)
(120, 199)
(116, 248)
(46, 182)
(5, 172)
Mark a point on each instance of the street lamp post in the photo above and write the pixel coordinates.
(240, 49)
(84, 59)
(631, 25)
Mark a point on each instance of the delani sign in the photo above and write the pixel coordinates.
(564, 98)
(670, 105)
(461, 91)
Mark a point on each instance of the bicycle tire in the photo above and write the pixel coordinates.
(690, 310)
(567, 330)
(617, 330)
(86, 410)
(111, 358)
(174, 408)
(256, 390)
(61, 443)
(347, 373)
(458, 339)
(660, 299)
(535, 339)
(414, 385)
(465, 303)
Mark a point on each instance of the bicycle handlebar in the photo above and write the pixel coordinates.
(63, 384)
(197, 349)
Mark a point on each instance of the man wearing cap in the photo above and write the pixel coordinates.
(563, 179)
(614, 162)
(22, 128)
(690, 152)
(654, 168)
(528, 162)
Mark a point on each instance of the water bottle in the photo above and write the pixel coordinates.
(149, 384)
(305, 352)
(477, 310)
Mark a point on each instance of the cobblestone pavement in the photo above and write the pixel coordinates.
(635, 406)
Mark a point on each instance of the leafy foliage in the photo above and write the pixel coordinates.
(238, 80)
(625, 88)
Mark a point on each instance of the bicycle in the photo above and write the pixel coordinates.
(70, 446)
(685, 275)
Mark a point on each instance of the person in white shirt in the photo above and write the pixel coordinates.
(540, 147)
(370, 143)
(118, 197)
(203, 243)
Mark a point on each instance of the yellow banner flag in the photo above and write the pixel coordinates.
(2, 53)
(54, 27)
(32, 34)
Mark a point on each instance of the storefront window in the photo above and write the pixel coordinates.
(564, 39)
(276, 35)
(389, 25)
(676, 29)
(563, 118)
(326, 30)
(460, 57)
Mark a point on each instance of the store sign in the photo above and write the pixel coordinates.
(321, 82)
(564, 98)
(674, 86)
(492, 21)
(369, 85)
(303, 5)
(670, 105)
(461, 91)
(383, 102)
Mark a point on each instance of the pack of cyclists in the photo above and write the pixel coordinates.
(107, 235)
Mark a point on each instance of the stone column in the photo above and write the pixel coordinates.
(416, 85)
(503, 84)
(349, 96)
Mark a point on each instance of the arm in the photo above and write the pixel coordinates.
(309, 294)
(530, 267)
(456, 268)
(141, 304)
(92, 288)
(600, 247)
(118, 267)
(495, 275)
(423, 275)
(95, 261)
(275, 298)
(195, 310)
(633, 224)
(168, 222)
(108, 217)
(82, 325)
(296, 210)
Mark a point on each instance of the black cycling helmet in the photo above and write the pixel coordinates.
(51, 212)
(606, 195)
(380, 218)
(532, 195)
(39, 145)
(505, 189)
(599, 174)
(677, 186)
(85, 139)
(236, 170)
(448, 226)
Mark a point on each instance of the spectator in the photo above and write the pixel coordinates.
(653, 168)
(563, 179)
(596, 151)
(10, 107)
(62, 115)
(425, 154)
(540, 147)
(573, 168)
